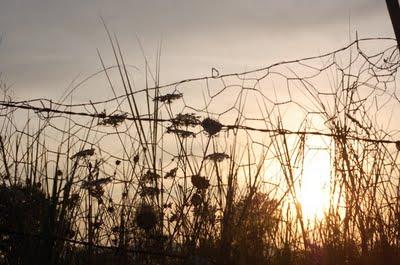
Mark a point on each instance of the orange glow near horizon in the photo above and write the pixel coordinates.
(314, 189)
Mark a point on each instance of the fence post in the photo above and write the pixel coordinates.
(394, 12)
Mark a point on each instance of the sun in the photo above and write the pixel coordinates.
(314, 192)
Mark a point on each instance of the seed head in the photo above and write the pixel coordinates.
(168, 98)
(211, 126)
(83, 153)
(200, 182)
(146, 218)
(217, 157)
(196, 199)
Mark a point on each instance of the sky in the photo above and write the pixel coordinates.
(46, 44)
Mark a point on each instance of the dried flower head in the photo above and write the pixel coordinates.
(97, 192)
(136, 158)
(211, 126)
(149, 191)
(217, 157)
(83, 153)
(187, 119)
(114, 120)
(171, 173)
(97, 182)
(181, 133)
(196, 199)
(95, 187)
(168, 98)
(200, 182)
(146, 217)
(150, 176)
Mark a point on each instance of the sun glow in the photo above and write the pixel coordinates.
(314, 194)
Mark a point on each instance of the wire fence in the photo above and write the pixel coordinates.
(179, 167)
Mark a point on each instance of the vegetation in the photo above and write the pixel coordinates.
(208, 170)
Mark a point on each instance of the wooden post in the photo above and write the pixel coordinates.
(394, 12)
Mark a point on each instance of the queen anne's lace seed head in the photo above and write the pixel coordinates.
(217, 157)
(187, 119)
(211, 126)
(181, 133)
(168, 98)
(114, 120)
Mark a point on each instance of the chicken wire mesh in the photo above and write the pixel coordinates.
(165, 166)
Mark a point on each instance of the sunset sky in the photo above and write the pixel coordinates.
(46, 44)
(319, 135)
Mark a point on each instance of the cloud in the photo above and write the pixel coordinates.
(173, 16)
(58, 38)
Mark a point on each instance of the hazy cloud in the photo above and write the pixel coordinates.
(48, 42)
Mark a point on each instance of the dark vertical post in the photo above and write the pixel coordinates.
(394, 12)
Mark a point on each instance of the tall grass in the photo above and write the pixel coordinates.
(167, 175)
